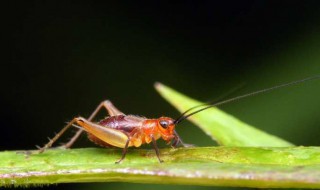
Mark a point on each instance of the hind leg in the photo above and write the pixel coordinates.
(58, 135)
(112, 111)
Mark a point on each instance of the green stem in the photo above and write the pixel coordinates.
(297, 167)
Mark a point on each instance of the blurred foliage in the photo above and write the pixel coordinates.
(220, 126)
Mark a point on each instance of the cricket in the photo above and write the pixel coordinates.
(124, 131)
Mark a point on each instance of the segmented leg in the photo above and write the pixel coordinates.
(112, 111)
(177, 140)
(110, 136)
(156, 149)
(124, 152)
(49, 144)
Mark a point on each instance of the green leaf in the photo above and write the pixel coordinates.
(218, 166)
(220, 126)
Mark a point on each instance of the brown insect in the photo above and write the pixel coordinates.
(123, 131)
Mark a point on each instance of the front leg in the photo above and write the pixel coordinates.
(177, 140)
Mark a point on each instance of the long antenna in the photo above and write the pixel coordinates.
(220, 98)
(245, 96)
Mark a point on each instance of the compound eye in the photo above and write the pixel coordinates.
(164, 124)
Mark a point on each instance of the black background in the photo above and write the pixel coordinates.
(60, 59)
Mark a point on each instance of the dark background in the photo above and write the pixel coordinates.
(61, 59)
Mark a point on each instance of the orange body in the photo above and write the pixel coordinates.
(139, 130)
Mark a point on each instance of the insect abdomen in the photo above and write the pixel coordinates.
(123, 123)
